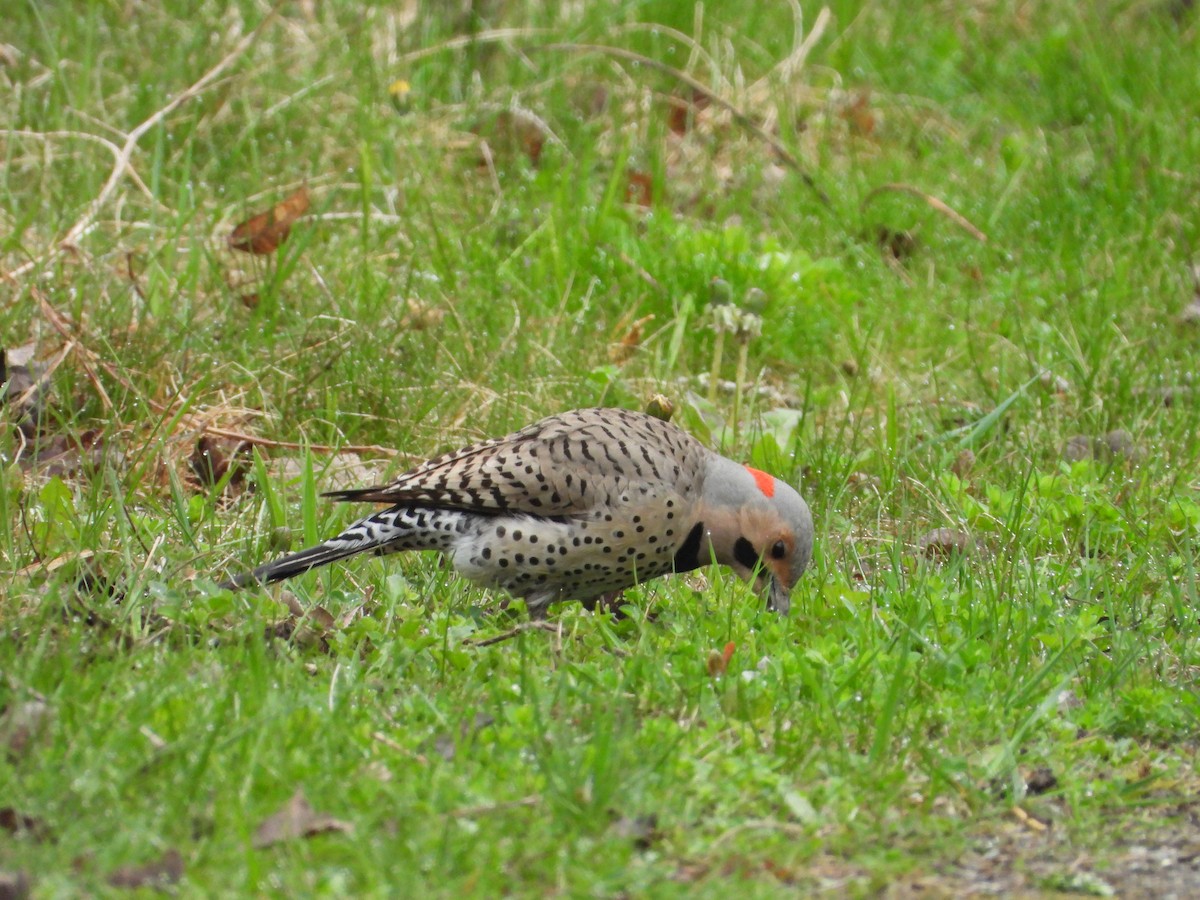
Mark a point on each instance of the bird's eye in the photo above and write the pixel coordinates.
(779, 551)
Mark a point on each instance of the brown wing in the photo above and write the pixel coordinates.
(563, 465)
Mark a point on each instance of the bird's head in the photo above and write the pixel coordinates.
(760, 527)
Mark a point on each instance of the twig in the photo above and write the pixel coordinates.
(86, 136)
(740, 117)
(637, 269)
(44, 376)
(803, 45)
(359, 449)
(382, 738)
(536, 625)
(470, 812)
(85, 355)
(788, 828)
(122, 167)
(492, 36)
(940, 205)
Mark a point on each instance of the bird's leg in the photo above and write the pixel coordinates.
(610, 603)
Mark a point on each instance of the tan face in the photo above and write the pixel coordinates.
(767, 545)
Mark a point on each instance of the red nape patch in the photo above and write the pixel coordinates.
(765, 482)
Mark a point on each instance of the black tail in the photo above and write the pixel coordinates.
(292, 564)
(387, 531)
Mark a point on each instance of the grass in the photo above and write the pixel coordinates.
(895, 733)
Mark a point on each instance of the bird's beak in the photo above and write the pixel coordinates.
(779, 597)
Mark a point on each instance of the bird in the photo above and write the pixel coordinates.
(579, 506)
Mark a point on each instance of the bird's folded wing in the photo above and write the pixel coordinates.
(564, 465)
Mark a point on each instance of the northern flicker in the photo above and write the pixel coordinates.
(579, 506)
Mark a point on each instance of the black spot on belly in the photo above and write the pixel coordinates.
(687, 557)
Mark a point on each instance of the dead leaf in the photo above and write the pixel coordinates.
(682, 113)
(963, 463)
(159, 873)
(23, 386)
(214, 458)
(1120, 443)
(508, 134)
(942, 543)
(15, 885)
(718, 663)
(897, 244)
(18, 823)
(857, 113)
(21, 724)
(421, 315)
(589, 99)
(297, 819)
(1191, 312)
(305, 627)
(264, 232)
(1078, 447)
(1055, 384)
(639, 189)
(622, 350)
(64, 455)
(642, 831)
(1116, 444)
(1041, 780)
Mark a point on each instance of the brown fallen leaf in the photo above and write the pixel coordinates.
(264, 232)
(942, 543)
(1041, 780)
(215, 457)
(508, 134)
(963, 463)
(897, 244)
(1115, 445)
(641, 831)
(24, 387)
(159, 873)
(1119, 443)
(65, 455)
(639, 189)
(421, 315)
(1078, 446)
(297, 819)
(682, 113)
(858, 114)
(20, 724)
(622, 350)
(15, 885)
(304, 627)
(17, 823)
